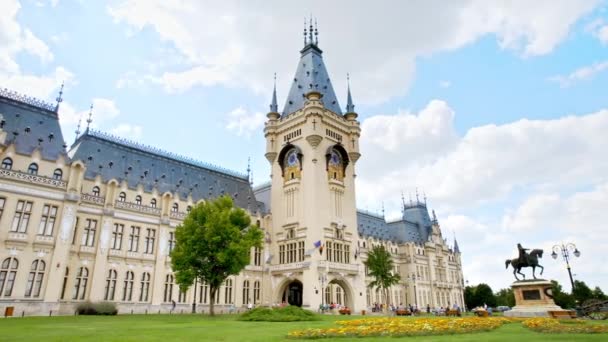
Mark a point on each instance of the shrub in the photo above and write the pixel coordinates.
(286, 314)
(102, 308)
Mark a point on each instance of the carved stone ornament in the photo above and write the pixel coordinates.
(271, 156)
(104, 238)
(314, 140)
(67, 223)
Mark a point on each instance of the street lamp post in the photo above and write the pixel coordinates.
(564, 250)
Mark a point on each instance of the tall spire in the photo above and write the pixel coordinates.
(249, 170)
(305, 33)
(59, 98)
(310, 32)
(274, 107)
(456, 248)
(350, 107)
(77, 131)
(90, 119)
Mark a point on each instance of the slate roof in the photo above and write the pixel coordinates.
(311, 74)
(31, 124)
(414, 226)
(116, 158)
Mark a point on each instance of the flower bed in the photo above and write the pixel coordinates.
(396, 327)
(551, 325)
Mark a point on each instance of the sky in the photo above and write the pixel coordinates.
(496, 111)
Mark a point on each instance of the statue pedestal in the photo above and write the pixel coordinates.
(533, 298)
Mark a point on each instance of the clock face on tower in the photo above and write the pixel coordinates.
(291, 165)
(292, 159)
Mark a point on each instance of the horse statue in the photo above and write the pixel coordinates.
(526, 260)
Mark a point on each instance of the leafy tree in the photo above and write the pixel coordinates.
(597, 293)
(469, 297)
(484, 295)
(213, 243)
(565, 300)
(581, 292)
(380, 267)
(505, 297)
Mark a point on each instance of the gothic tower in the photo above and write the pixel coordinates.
(312, 147)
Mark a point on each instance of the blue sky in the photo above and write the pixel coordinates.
(495, 109)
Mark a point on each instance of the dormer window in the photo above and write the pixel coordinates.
(291, 233)
(96, 191)
(122, 197)
(57, 174)
(32, 169)
(7, 163)
(174, 208)
(153, 203)
(138, 199)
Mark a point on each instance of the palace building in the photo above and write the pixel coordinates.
(95, 221)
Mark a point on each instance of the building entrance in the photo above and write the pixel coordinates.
(293, 293)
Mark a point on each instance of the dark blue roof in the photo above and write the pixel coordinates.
(311, 75)
(415, 226)
(115, 158)
(31, 124)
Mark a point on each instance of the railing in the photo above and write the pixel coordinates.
(92, 199)
(254, 268)
(288, 267)
(87, 249)
(178, 215)
(116, 252)
(133, 255)
(35, 179)
(32, 101)
(137, 207)
(14, 236)
(45, 239)
(336, 266)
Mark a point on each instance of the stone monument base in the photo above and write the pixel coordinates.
(533, 298)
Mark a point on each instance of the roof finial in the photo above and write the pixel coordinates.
(90, 119)
(78, 128)
(410, 194)
(350, 107)
(59, 98)
(249, 169)
(402, 199)
(383, 209)
(305, 33)
(310, 31)
(434, 216)
(274, 107)
(424, 196)
(316, 33)
(417, 197)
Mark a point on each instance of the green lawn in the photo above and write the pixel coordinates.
(221, 328)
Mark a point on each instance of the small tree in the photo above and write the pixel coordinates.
(581, 292)
(505, 297)
(380, 266)
(565, 300)
(213, 243)
(469, 297)
(484, 295)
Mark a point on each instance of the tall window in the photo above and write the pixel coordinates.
(203, 289)
(257, 256)
(145, 287)
(138, 199)
(175, 208)
(301, 251)
(22, 216)
(153, 203)
(34, 280)
(88, 235)
(171, 241)
(256, 292)
(122, 197)
(75, 234)
(2, 202)
(134, 239)
(110, 285)
(8, 273)
(65, 282)
(127, 290)
(80, 286)
(228, 292)
(96, 191)
(117, 233)
(32, 169)
(58, 174)
(168, 288)
(7, 163)
(246, 298)
(181, 298)
(47, 222)
(150, 237)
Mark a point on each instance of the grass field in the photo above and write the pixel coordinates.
(221, 328)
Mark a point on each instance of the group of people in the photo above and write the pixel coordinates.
(331, 306)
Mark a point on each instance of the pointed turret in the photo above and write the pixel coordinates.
(274, 107)
(350, 107)
(456, 248)
(59, 99)
(311, 76)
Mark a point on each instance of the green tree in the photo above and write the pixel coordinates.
(484, 295)
(565, 300)
(581, 292)
(469, 297)
(505, 297)
(380, 267)
(597, 293)
(213, 243)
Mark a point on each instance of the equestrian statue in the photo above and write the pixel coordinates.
(525, 260)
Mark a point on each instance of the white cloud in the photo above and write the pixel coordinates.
(580, 74)
(45, 87)
(238, 44)
(132, 132)
(243, 123)
(104, 111)
(445, 84)
(599, 29)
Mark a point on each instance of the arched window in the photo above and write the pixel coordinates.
(34, 280)
(168, 288)
(188, 208)
(338, 295)
(256, 292)
(246, 298)
(110, 285)
(228, 292)
(145, 287)
(80, 286)
(65, 282)
(127, 290)
(153, 203)
(122, 197)
(291, 165)
(57, 174)
(96, 191)
(335, 165)
(32, 169)
(7, 163)
(138, 199)
(8, 273)
(175, 208)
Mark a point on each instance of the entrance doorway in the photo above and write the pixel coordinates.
(293, 293)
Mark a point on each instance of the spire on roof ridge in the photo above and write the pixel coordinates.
(59, 98)
(310, 32)
(274, 107)
(78, 128)
(350, 107)
(456, 248)
(305, 33)
(90, 119)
